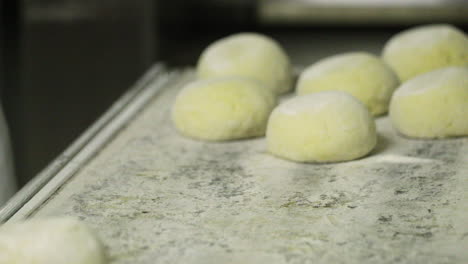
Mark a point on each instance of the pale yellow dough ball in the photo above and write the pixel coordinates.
(248, 55)
(327, 126)
(432, 105)
(50, 241)
(426, 48)
(361, 74)
(223, 109)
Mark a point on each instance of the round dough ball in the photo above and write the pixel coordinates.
(432, 105)
(321, 127)
(223, 109)
(426, 48)
(248, 55)
(361, 74)
(50, 241)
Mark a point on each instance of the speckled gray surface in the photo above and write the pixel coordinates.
(156, 197)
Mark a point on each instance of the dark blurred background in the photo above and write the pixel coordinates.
(63, 62)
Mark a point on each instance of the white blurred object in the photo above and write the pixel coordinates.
(377, 3)
(398, 12)
(7, 180)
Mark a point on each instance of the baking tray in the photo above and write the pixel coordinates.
(154, 196)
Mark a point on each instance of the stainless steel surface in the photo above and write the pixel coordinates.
(87, 145)
(156, 197)
(362, 11)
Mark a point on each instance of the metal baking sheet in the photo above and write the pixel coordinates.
(154, 196)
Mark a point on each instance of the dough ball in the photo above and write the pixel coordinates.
(432, 105)
(50, 241)
(248, 55)
(426, 48)
(223, 109)
(361, 74)
(321, 127)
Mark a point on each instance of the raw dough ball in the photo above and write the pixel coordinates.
(432, 105)
(50, 241)
(248, 55)
(361, 74)
(321, 127)
(426, 48)
(223, 109)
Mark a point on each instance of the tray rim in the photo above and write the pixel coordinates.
(31, 196)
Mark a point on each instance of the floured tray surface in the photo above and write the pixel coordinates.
(156, 197)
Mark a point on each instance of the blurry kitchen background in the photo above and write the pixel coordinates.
(63, 62)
